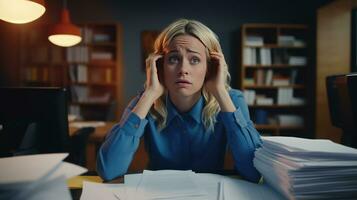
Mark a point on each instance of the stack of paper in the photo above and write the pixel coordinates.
(178, 185)
(308, 169)
(37, 177)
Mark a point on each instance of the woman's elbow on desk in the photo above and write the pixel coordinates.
(249, 173)
(108, 170)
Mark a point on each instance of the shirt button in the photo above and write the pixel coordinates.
(136, 125)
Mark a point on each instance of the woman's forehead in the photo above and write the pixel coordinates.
(186, 42)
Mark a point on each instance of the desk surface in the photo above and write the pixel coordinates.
(99, 133)
(75, 184)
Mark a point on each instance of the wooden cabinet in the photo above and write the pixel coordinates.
(275, 77)
(92, 70)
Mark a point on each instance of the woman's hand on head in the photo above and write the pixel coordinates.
(154, 87)
(216, 77)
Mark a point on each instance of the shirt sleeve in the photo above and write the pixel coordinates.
(242, 137)
(120, 145)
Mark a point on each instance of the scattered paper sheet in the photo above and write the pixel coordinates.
(36, 177)
(28, 168)
(169, 184)
(95, 191)
(68, 170)
(240, 189)
(213, 184)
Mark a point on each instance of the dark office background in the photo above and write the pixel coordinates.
(224, 17)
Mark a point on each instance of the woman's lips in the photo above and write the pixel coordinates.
(183, 83)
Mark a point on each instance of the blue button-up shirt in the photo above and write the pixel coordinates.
(184, 143)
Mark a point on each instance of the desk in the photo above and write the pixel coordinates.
(75, 184)
(94, 141)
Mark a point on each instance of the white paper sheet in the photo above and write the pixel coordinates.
(68, 170)
(39, 177)
(169, 184)
(95, 191)
(54, 189)
(240, 189)
(317, 147)
(28, 168)
(215, 187)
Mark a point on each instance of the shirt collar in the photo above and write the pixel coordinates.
(195, 112)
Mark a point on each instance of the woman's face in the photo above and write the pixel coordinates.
(185, 66)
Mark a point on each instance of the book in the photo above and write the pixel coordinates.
(252, 40)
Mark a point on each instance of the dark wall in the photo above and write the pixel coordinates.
(223, 17)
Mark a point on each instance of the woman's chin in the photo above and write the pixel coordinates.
(185, 92)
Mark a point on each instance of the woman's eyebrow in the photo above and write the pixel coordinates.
(173, 51)
(192, 51)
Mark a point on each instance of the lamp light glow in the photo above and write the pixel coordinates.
(21, 11)
(65, 34)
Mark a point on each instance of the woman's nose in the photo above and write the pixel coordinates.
(184, 67)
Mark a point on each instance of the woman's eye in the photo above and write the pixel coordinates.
(173, 59)
(195, 60)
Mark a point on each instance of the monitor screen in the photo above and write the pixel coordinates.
(33, 120)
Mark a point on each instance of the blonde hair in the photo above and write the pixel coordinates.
(210, 40)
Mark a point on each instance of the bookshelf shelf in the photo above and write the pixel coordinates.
(91, 70)
(104, 44)
(90, 103)
(101, 63)
(274, 46)
(278, 106)
(93, 84)
(275, 77)
(297, 86)
(278, 66)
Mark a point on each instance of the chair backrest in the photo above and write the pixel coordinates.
(78, 146)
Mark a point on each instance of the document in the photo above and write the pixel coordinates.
(216, 187)
(320, 148)
(168, 184)
(28, 168)
(95, 191)
(40, 176)
(207, 187)
(240, 189)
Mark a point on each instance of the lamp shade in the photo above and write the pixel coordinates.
(65, 34)
(21, 11)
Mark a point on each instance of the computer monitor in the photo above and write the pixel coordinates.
(33, 120)
(342, 100)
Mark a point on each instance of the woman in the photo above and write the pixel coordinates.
(187, 112)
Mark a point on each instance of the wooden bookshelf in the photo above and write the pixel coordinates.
(295, 86)
(276, 78)
(91, 70)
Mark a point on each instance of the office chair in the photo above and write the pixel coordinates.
(78, 144)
